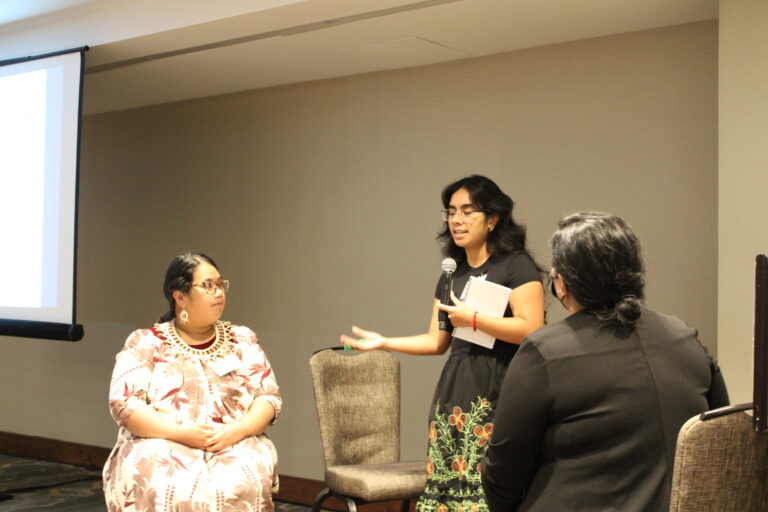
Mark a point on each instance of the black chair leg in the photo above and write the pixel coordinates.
(405, 505)
(322, 495)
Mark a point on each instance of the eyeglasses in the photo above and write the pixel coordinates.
(450, 213)
(211, 286)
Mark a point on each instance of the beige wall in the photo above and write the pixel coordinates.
(319, 201)
(743, 182)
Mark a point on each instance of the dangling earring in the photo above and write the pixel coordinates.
(183, 316)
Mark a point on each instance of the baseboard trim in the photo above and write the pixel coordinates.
(293, 489)
(53, 450)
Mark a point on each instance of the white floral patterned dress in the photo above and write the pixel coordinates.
(214, 386)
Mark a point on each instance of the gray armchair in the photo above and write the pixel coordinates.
(357, 396)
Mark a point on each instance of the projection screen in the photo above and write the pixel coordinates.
(40, 102)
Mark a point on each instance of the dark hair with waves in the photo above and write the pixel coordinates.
(178, 276)
(600, 260)
(507, 236)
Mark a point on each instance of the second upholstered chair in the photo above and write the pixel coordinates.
(720, 464)
(357, 396)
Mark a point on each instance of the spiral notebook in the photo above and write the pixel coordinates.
(487, 298)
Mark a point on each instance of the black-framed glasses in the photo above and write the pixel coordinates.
(210, 287)
(451, 213)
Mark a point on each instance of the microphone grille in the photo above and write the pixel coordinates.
(448, 265)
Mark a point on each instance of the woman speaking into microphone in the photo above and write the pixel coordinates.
(487, 244)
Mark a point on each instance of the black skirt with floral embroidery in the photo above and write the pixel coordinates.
(461, 416)
(461, 424)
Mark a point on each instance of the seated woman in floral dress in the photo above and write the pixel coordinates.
(193, 396)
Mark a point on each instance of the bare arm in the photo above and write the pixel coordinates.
(145, 421)
(432, 342)
(527, 304)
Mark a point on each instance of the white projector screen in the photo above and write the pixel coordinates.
(39, 150)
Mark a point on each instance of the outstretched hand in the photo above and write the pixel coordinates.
(365, 340)
(459, 314)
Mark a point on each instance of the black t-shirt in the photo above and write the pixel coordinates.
(510, 270)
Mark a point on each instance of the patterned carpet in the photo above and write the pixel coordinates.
(38, 485)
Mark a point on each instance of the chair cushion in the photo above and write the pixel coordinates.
(377, 482)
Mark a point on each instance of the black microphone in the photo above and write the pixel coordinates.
(449, 266)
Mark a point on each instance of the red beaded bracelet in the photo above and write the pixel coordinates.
(474, 321)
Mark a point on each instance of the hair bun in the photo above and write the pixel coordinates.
(628, 310)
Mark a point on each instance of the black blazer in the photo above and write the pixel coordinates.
(588, 419)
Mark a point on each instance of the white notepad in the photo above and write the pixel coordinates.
(487, 298)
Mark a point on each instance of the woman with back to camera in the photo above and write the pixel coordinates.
(481, 235)
(591, 406)
(193, 396)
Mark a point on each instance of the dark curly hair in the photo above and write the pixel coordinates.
(178, 276)
(507, 236)
(599, 259)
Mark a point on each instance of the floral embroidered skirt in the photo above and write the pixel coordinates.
(460, 427)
